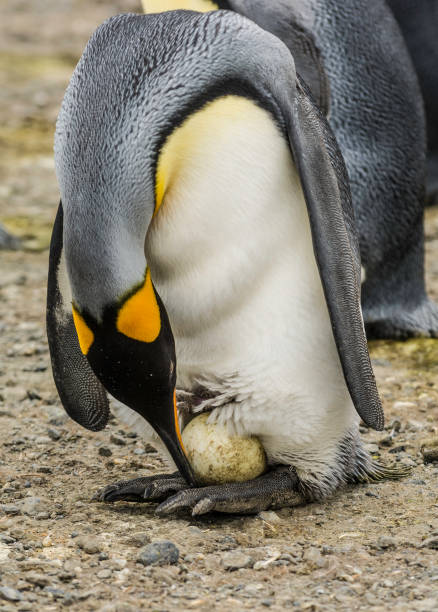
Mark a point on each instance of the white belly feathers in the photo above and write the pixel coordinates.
(231, 256)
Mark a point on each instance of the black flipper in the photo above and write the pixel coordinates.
(282, 19)
(335, 242)
(82, 395)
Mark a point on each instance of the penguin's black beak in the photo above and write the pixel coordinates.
(140, 372)
(143, 378)
(168, 430)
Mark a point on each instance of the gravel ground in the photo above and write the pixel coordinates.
(370, 547)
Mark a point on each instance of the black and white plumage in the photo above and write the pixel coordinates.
(188, 152)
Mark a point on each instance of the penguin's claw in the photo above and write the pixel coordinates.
(148, 488)
(159, 490)
(276, 489)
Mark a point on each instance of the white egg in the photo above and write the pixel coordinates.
(218, 457)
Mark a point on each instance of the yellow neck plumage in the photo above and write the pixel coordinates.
(159, 6)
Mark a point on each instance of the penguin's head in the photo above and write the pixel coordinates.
(131, 350)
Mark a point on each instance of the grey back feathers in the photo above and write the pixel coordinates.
(292, 24)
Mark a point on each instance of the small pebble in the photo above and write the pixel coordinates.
(195, 530)
(118, 564)
(56, 593)
(372, 448)
(269, 517)
(236, 560)
(140, 538)
(104, 451)
(417, 481)
(66, 576)
(88, 544)
(47, 541)
(104, 574)
(430, 455)
(386, 543)
(31, 394)
(387, 441)
(118, 606)
(10, 594)
(33, 505)
(10, 509)
(159, 553)
(313, 556)
(37, 579)
(403, 406)
(54, 434)
(430, 543)
(254, 588)
(42, 469)
(412, 425)
(57, 416)
(400, 448)
(117, 440)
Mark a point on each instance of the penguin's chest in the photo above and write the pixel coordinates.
(230, 249)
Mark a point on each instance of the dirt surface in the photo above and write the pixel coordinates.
(369, 547)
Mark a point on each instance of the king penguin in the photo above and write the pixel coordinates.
(353, 58)
(205, 248)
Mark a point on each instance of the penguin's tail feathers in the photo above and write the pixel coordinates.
(376, 472)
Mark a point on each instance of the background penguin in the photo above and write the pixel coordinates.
(189, 154)
(377, 116)
(418, 20)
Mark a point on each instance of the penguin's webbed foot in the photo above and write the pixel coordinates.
(146, 489)
(276, 489)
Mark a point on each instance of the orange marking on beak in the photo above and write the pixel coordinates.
(178, 431)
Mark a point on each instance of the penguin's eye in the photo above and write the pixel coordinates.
(139, 317)
(85, 335)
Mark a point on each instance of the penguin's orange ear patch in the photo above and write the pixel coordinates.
(85, 335)
(139, 317)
